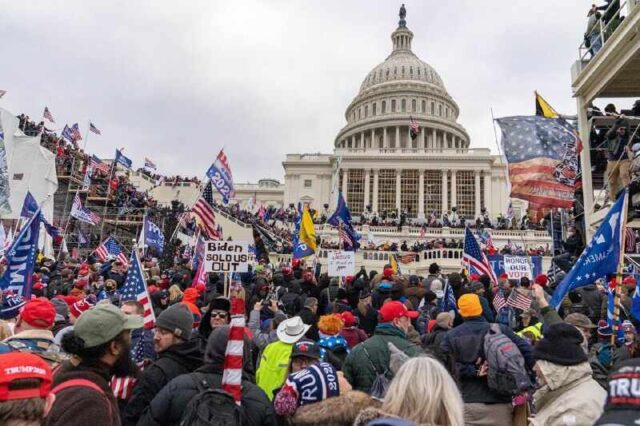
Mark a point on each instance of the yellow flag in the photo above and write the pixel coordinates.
(544, 109)
(307, 231)
(394, 263)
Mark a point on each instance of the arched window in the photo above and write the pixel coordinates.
(411, 71)
(393, 105)
(384, 107)
(414, 108)
(440, 110)
(366, 111)
(374, 109)
(418, 72)
(433, 108)
(395, 71)
(404, 105)
(403, 70)
(387, 75)
(359, 113)
(424, 106)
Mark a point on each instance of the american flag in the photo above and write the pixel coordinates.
(96, 164)
(629, 240)
(72, 133)
(498, 301)
(204, 212)
(149, 164)
(408, 258)
(94, 129)
(110, 247)
(345, 238)
(542, 157)
(135, 288)
(414, 129)
(82, 213)
(519, 300)
(47, 114)
(122, 387)
(474, 258)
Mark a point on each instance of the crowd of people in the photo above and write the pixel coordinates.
(443, 349)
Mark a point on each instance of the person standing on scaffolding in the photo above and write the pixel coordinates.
(618, 157)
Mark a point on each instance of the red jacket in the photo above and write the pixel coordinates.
(353, 335)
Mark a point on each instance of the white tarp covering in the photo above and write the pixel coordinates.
(31, 168)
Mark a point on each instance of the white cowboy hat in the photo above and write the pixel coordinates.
(291, 330)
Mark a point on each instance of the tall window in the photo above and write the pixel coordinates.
(433, 108)
(440, 110)
(413, 105)
(371, 178)
(465, 193)
(432, 192)
(409, 191)
(366, 111)
(384, 107)
(404, 105)
(393, 105)
(355, 190)
(424, 104)
(374, 109)
(483, 182)
(386, 190)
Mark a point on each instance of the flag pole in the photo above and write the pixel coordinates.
(618, 291)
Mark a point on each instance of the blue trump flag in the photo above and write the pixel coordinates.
(153, 236)
(120, 158)
(602, 254)
(21, 259)
(29, 207)
(221, 177)
(300, 248)
(341, 219)
(448, 302)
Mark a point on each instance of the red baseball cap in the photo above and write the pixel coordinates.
(39, 312)
(20, 366)
(387, 272)
(392, 310)
(348, 318)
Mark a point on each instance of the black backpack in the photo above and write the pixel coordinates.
(210, 406)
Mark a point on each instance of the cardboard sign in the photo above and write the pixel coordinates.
(226, 256)
(517, 267)
(342, 263)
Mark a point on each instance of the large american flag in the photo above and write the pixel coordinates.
(135, 288)
(110, 247)
(542, 157)
(474, 258)
(498, 300)
(408, 258)
(94, 129)
(97, 164)
(204, 212)
(47, 114)
(83, 214)
(414, 129)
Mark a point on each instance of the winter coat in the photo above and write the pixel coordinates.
(353, 335)
(179, 359)
(169, 405)
(369, 321)
(487, 313)
(81, 406)
(358, 368)
(309, 318)
(615, 143)
(570, 396)
(432, 341)
(415, 295)
(592, 297)
(260, 338)
(373, 413)
(463, 345)
(339, 411)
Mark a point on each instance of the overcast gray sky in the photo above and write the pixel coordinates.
(178, 80)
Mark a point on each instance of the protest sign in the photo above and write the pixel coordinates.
(517, 267)
(341, 263)
(497, 263)
(227, 256)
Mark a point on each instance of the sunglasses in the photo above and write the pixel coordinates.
(218, 314)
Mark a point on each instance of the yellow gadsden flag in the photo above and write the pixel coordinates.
(307, 231)
(543, 108)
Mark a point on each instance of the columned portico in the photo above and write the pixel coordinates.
(374, 206)
(477, 192)
(366, 188)
(421, 194)
(454, 197)
(445, 201)
(398, 187)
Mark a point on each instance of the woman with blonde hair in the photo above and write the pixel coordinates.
(422, 392)
(175, 294)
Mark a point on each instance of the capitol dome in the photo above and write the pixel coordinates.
(398, 91)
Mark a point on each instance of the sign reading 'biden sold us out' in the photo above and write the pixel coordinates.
(227, 256)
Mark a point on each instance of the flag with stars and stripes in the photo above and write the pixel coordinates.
(72, 134)
(47, 114)
(601, 256)
(543, 161)
(94, 129)
(519, 300)
(499, 301)
(83, 214)
(474, 258)
(414, 129)
(135, 288)
(110, 247)
(203, 211)
(97, 164)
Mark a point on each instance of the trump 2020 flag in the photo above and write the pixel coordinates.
(221, 177)
(543, 161)
(21, 259)
(341, 219)
(135, 288)
(153, 236)
(305, 236)
(600, 257)
(120, 158)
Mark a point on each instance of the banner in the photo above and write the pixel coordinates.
(341, 263)
(21, 260)
(221, 177)
(497, 263)
(517, 267)
(226, 256)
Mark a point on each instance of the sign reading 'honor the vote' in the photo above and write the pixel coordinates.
(227, 256)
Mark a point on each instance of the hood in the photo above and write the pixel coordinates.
(217, 346)
(339, 410)
(188, 354)
(558, 376)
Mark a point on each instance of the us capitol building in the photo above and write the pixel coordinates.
(377, 164)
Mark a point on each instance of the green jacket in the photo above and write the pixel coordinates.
(358, 369)
(274, 366)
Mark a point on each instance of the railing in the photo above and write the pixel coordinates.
(604, 28)
(443, 232)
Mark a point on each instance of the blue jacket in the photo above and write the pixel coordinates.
(463, 346)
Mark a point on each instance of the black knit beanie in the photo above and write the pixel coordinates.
(562, 345)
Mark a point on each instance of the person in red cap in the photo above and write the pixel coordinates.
(371, 358)
(352, 334)
(25, 381)
(33, 330)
